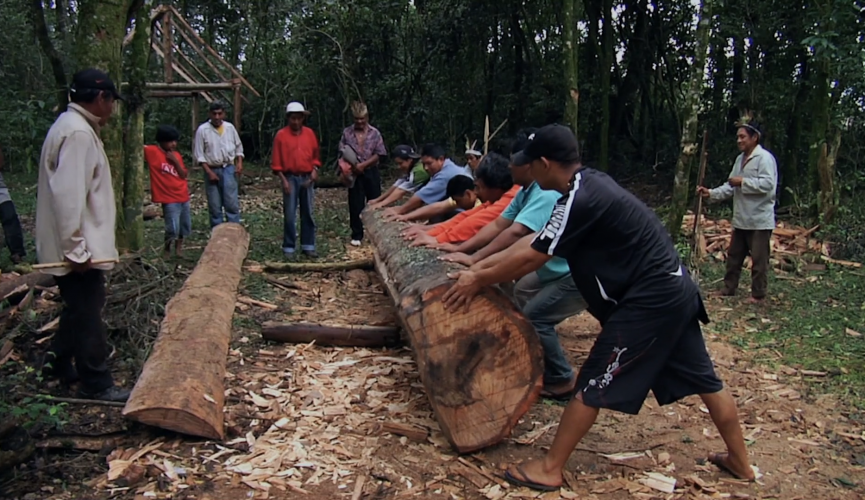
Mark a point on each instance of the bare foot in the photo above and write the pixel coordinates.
(755, 300)
(532, 475)
(726, 463)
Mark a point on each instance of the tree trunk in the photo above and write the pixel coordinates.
(332, 335)
(133, 147)
(681, 186)
(571, 54)
(607, 55)
(826, 171)
(37, 18)
(790, 166)
(183, 392)
(101, 28)
(820, 124)
(482, 370)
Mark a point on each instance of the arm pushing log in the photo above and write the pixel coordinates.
(181, 386)
(481, 369)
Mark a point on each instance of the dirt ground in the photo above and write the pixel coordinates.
(306, 422)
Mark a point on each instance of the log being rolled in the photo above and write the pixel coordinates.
(482, 369)
(181, 386)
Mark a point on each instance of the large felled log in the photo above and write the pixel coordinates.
(331, 335)
(181, 385)
(481, 369)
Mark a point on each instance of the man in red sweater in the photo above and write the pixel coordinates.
(169, 187)
(295, 161)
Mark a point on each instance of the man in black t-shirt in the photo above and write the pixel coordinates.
(628, 271)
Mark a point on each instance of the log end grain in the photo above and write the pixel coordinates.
(177, 420)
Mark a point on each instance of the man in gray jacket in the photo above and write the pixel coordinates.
(752, 185)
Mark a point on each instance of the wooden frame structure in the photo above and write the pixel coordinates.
(178, 45)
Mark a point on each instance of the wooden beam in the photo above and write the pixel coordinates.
(171, 93)
(167, 45)
(180, 71)
(154, 15)
(194, 114)
(201, 54)
(237, 105)
(231, 68)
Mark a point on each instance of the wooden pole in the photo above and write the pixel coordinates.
(331, 335)
(193, 86)
(194, 113)
(237, 105)
(170, 93)
(167, 45)
(214, 52)
(179, 70)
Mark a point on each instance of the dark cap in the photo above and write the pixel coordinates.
(405, 152)
(553, 142)
(94, 79)
(166, 133)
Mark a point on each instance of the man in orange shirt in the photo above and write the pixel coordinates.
(169, 187)
(494, 187)
(295, 161)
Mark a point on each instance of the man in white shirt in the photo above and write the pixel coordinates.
(217, 148)
(75, 216)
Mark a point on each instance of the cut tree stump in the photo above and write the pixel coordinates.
(482, 369)
(181, 386)
(331, 335)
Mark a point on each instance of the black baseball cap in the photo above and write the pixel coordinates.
(405, 152)
(553, 142)
(94, 79)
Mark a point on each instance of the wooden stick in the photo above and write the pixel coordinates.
(331, 335)
(486, 134)
(78, 401)
(305, 267)
(55, 265)
(496, 131)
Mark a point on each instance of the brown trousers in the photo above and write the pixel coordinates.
(756, 244)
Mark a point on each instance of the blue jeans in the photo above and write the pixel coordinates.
(546, 305)
(178, 221)
(304, 195)
(222, 195)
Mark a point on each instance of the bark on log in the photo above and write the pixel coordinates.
(181, 386)
(9, 286)
(332, 335)
(482, 370)
(317, 267)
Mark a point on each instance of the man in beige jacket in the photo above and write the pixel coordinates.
(75, 215)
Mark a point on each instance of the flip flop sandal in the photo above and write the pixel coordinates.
(528, 483)
(718, 462)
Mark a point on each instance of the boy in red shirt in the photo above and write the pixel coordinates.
(295, 161)
(168, 186)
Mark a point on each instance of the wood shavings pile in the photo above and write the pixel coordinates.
(786, 239)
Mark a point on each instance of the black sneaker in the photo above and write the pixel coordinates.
(62, 369)
(311, 254)
(113, 394)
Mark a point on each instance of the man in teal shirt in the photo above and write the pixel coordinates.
(548, 296)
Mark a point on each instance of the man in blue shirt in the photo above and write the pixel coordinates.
(546, 297)
(441, 170)
(625, 265)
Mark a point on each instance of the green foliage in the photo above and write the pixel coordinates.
(30, 411)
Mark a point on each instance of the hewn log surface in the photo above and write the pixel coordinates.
(481, 369)
(331, 335)
(181, 386)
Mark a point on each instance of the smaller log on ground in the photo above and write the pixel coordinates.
(318, 267)
(181, 386)
(14, 289)
(332, 335)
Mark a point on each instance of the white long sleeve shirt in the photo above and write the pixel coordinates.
(214, 149)
(754, 200)
(75, 211)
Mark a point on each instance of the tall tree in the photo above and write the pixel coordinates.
(606, 63)
(37, 18)
(688, 142)
(571, 15)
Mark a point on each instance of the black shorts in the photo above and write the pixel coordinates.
(641, 348)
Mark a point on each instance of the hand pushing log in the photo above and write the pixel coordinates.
(482, 368)
(181, 386)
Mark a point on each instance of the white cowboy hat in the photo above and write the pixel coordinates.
(296, 107)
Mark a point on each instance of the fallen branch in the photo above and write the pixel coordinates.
(307, 267)
(14, 289)
(86, 443)
(414, 432)
(332, 335)
(281, 284)
(77, 401)
(258, 303)
(845, 263)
